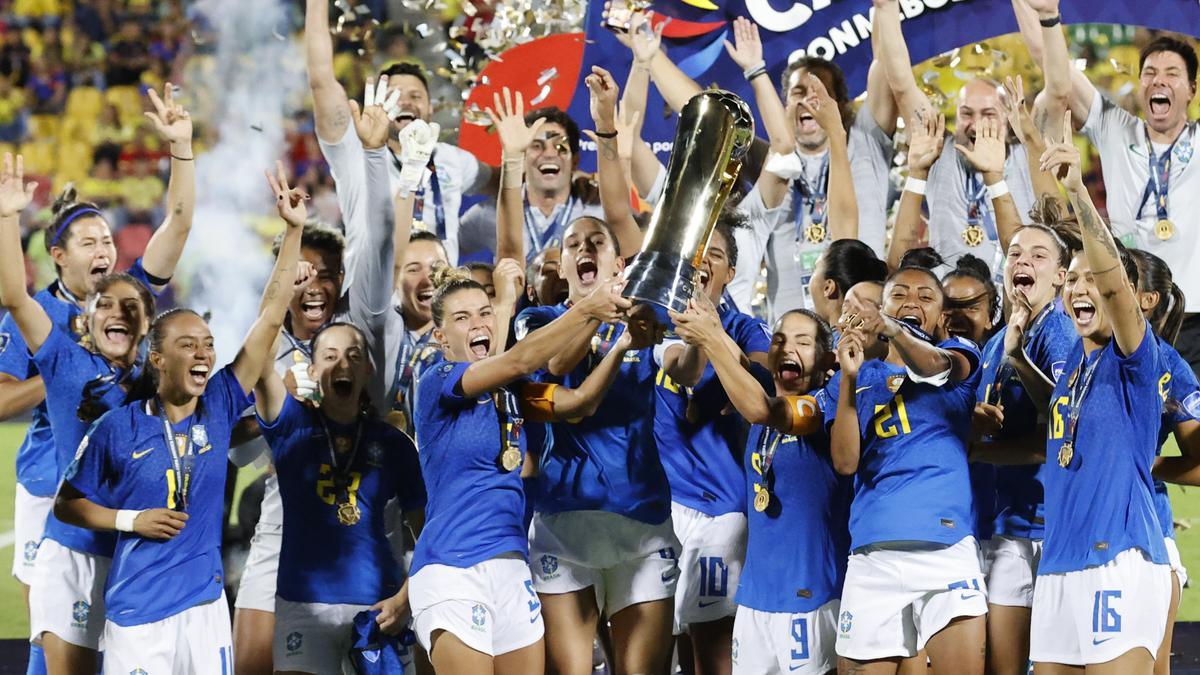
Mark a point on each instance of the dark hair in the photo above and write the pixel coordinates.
(480, 266)
(1167, 43)
(840, 92)
(316, 236)
(1154, 276)
(91, 404)
(824, 331)
(407, 68)
(849, 261)
(146, 386)
(971, 267)
(66, 210)
(729, 220)
(925, 258)
(612, 236)
(917, 268)
(447, 281)
(426, 235)
(312, 343)
(1064, 249)
(557, 116)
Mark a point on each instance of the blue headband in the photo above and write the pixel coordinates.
(70, 219)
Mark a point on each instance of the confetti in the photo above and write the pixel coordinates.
(547, 75)
(257, 127)
(542, 96)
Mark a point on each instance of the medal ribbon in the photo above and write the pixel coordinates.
(979, 210)
(341, 474)
(768, 444)
(439, 210)
(1079, 391)
(182, 460)
(553, 230)
(510, 421)
(809, 200)
(406, 358)
(1005, 372)
(1160, 176)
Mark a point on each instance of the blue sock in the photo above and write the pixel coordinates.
(37, 660)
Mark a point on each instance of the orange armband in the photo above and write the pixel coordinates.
(804, 417)
(537, 402)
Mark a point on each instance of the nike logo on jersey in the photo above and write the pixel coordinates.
(1100, 642)
(139, 455)
(708, 604)
(862, 389)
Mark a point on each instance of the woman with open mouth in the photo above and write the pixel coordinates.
(473, 602)
(83, 380)
(1021, 363)
(154, 470)
(1104, 581)
(796, 503)
(900, 425)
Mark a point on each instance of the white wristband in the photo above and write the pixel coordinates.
(125, 518)
(997, 190)
(915, 186)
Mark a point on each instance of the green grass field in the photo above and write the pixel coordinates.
(14, 623)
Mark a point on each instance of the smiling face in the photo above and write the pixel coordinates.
(467, 327)
(340, 364)
(549, 160)
(978, 100)
(549, 288)
(1082, 301)
(797, 358)
(416, 286)
(913, 297)
(968, 308)
(85, 254)
(313, 307)
(715, 270)
(413, 103)
(809, 135)
(186, 359)
(1033, 267)
(117, 322)
(1165, 91)
(588, 257)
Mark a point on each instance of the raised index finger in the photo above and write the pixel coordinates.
(1068, 127)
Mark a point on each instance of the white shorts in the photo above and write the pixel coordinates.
(1097, 614)
(195, 641)
(256, 590)
(625, 560)
(29, 520)
(771, 643)
(66, 597)
(316, 637)
(712, 550)
(490, 606)
(895, 600)
(1176, 561)
(1012, 569)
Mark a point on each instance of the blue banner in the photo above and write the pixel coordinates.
(838, 30)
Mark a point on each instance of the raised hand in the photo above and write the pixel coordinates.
(746, 49)
(1019, 118)
(373, 120)
(699, 325)
(508, 118)
(306, 388)
(605, 303)
(925, 141)
(989, 152)
(509, 278)
(159, 523)
(417, 140)
(1044, 8)
(1062, 158)
(170, 119)
(822, 107)
(850, 354)
(604, 93)
(640, 334)
(289, 201)
(865, 317)
(305, 274)
(643, 39)
(15, 193)
(1018, 322)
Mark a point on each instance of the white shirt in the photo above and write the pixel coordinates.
(477, 232)
(1120, 139)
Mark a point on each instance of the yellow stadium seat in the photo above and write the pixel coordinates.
(128, 102)
(84, 103)
(39, 157)
(74, 160)
(44, 126)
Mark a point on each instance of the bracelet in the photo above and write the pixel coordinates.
(915, 186)
(125, 518)
(183, 159)
(997, 190)
(605, 134)
(751, 73)
(1051, 22)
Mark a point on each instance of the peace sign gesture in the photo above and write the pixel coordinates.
(170, 119)
(288, 200)
(1062, 158)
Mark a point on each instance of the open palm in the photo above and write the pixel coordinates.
(15, 193)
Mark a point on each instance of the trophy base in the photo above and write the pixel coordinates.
(659, 282)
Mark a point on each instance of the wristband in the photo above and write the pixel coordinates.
(997, 190)
(915, 186)
(1051, 22)
(183, 159)
(605, 134)
(761, 70)
(750, 72)
(125, 518)
(512, 175)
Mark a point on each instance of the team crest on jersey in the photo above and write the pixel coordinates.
(342, 444)
(1056, 369)
(1191, 404)
(375, 455)
(199, 436)
(735, 650)
(5, 338)
(1183, 152)
(138, 671)
(79, 613)
(294, 641)
(549, 566)
(478, 617)
(31, 549)
(845, 621)
(894, 382)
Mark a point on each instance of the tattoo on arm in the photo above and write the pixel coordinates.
(609, 147)
(1090, 221)
(179, 208)
(1040, 118)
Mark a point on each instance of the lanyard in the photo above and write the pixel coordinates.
(810, 200)
(767, 445)
(1080, 383)
(439, 210)
(405, 366)
(511, 421)
(1160, 176)
(979, 211)
(182, 458)
(553, 230)
(1006, 371)
(341, 474)
(298, 345)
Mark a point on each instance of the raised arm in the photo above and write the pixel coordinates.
(1066, 87)
(1020, 120)
(270, 391)
(256, 348)
(15, 195)
(845, 446)
(508, 118)
(843, 205)
(174, 125)
(920, 356)
(584, 400)
(330, 107)
(614, 191)
(509, 279)
(892, 52)
(987, 157)
(645, 42)
(924, 147)
(1037, 384)
(1116, 291)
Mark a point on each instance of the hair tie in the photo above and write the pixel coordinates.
(70, 219)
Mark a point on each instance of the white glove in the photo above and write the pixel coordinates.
(417, 141)
(307, 389)
(378, 94)
(787, 167)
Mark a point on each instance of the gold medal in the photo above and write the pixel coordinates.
(510, 459)
(341, 444)
(348, 514)
(814, 233)
(762, 500)
(973, 236)
(1164, 229)
(1065, 453)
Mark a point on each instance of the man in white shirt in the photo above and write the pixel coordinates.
(552, 200)
(453, 173)
(1151, 174)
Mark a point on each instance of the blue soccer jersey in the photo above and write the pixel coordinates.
(1019, 493)
(476, 509)
(125, 462)
(316, 547)
(912, 482)
(77, 382)
(1101, 503)
(609, 461)
(699, 445)
(797, 548)
(1180, 394)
